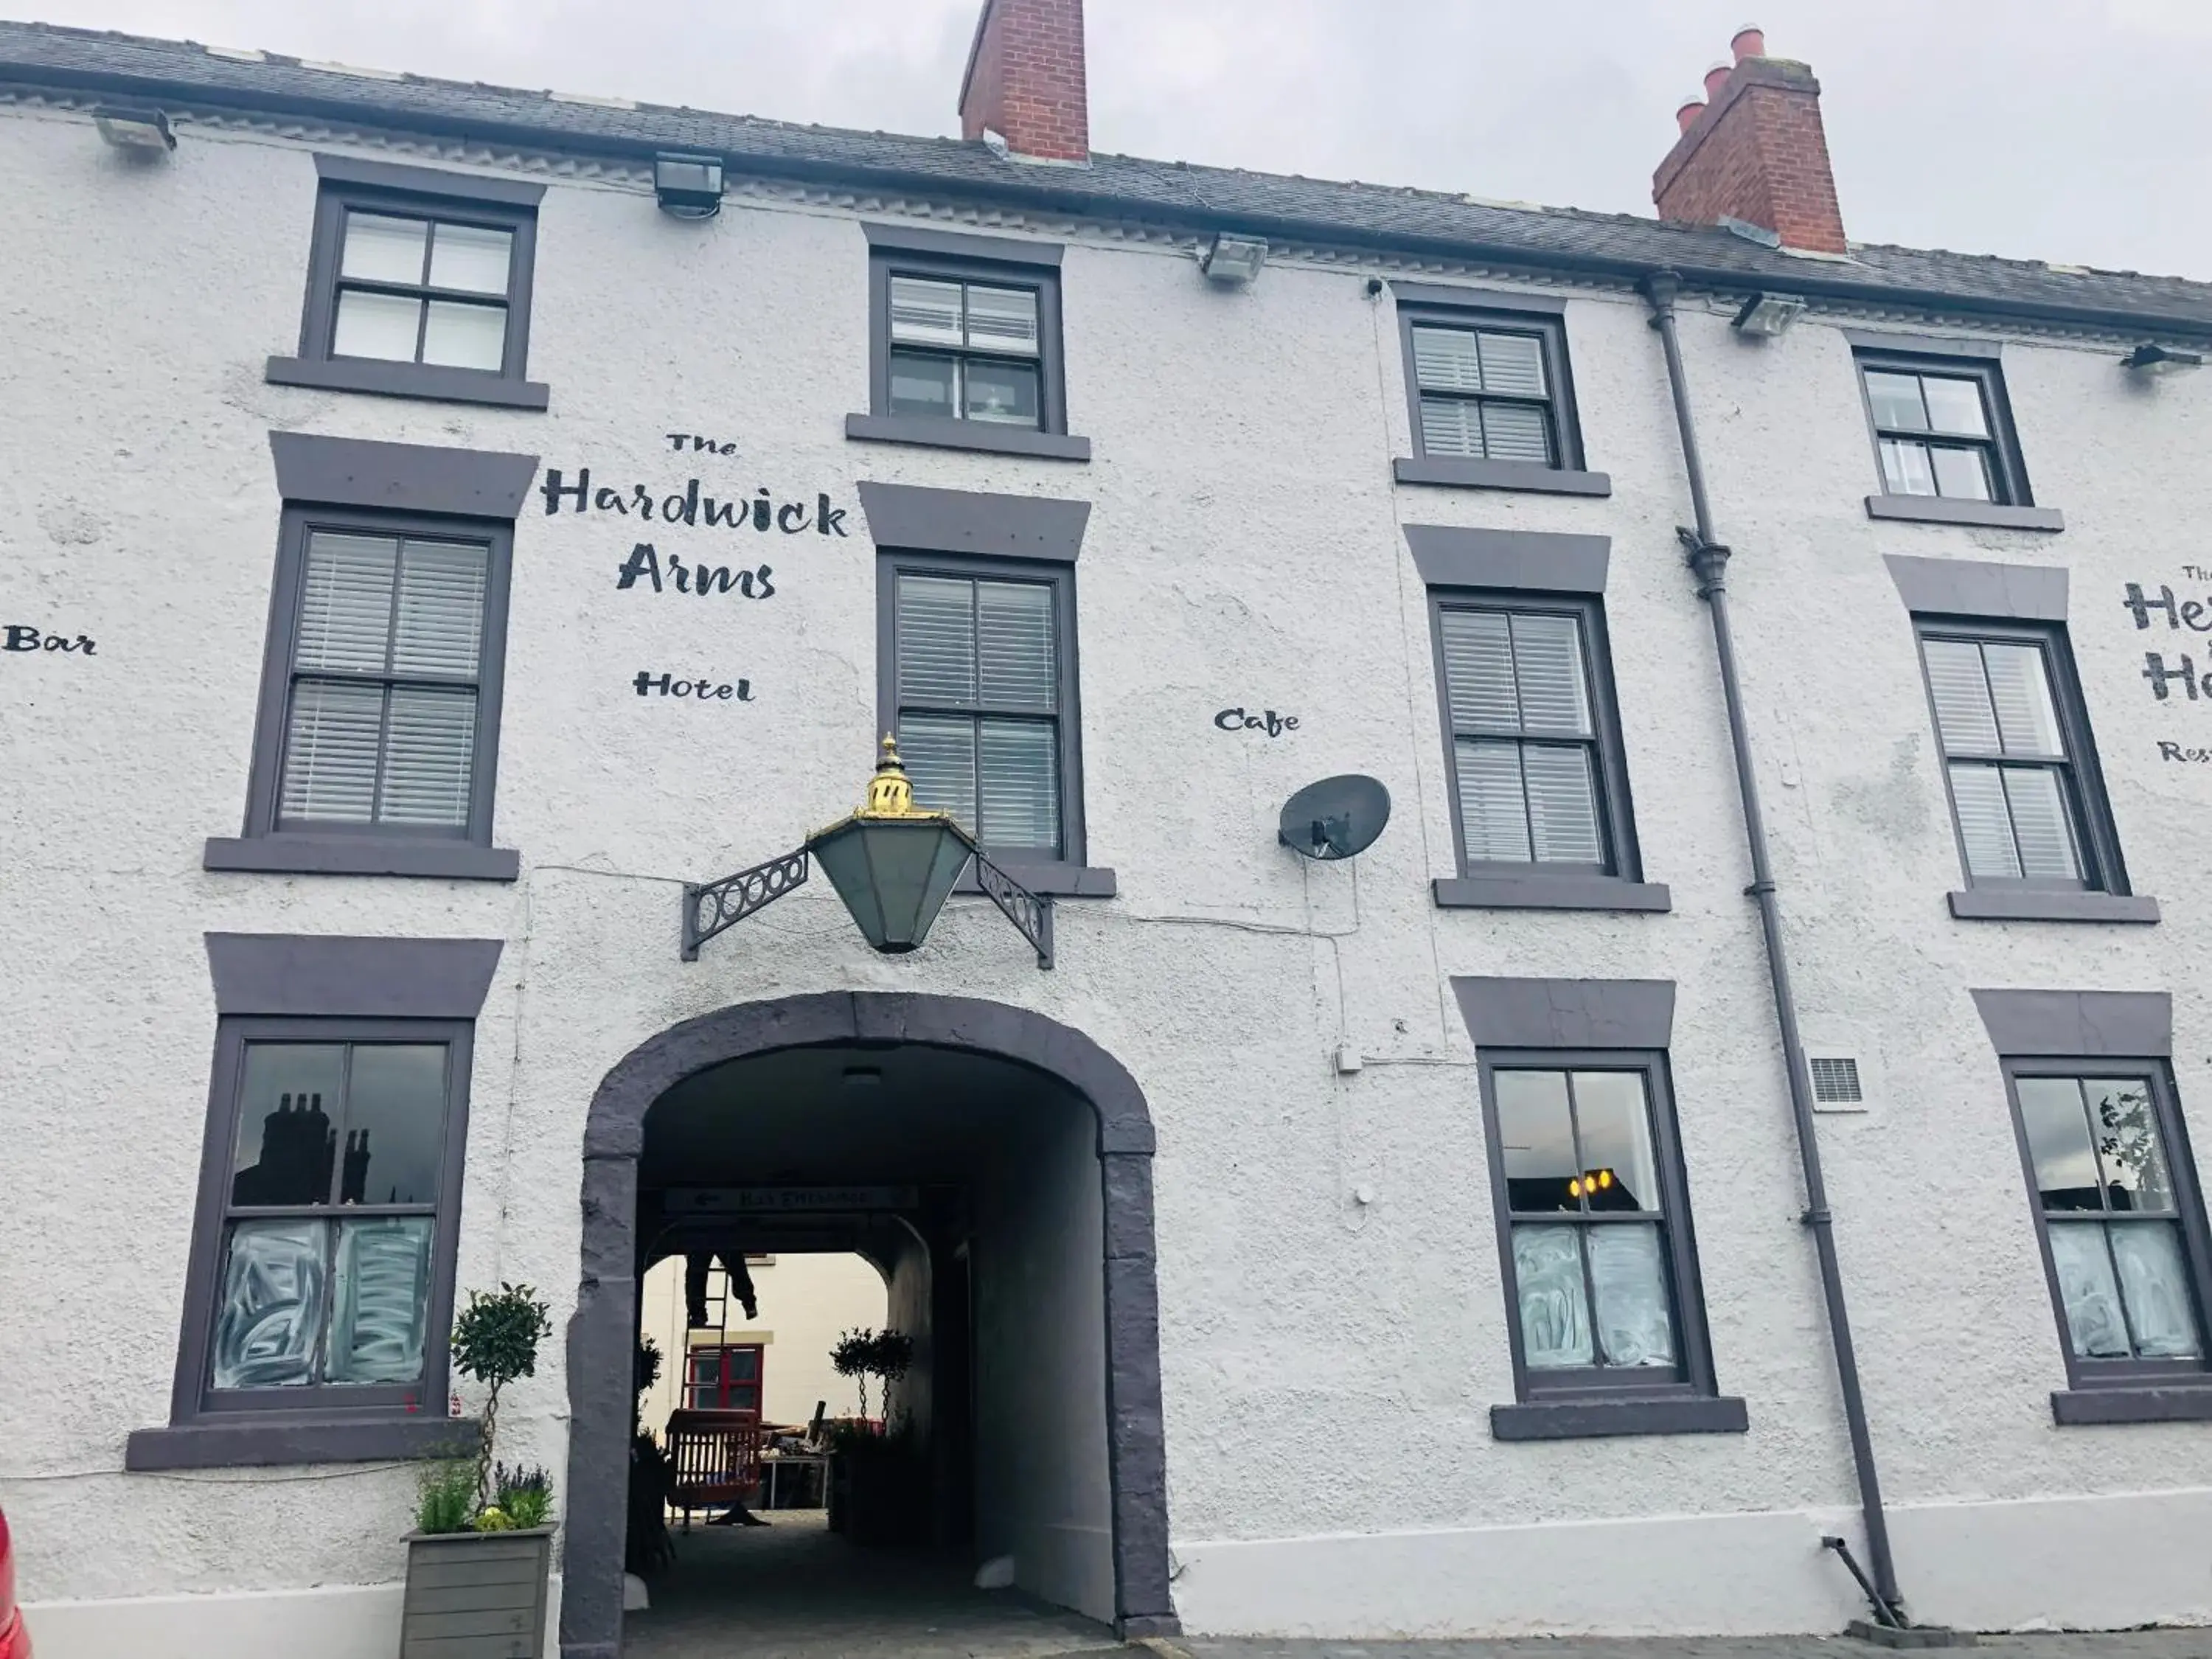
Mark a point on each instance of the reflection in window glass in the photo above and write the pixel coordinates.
(389, 269)
(381, 249)
(287, 1123)
(471, 259)
(922, 386)
(1912, 413)
(992, 338)
(1954, 405)
(327, 1295)
(2104, 1188)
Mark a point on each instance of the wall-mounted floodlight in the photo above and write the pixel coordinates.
(688, 186)
(1766, 315)
(2148, 359)
(141, 129)
(1233, 258)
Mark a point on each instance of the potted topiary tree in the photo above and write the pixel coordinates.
(481, 1550)
(876, 1482)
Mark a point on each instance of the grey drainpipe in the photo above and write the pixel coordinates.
(1709, 560)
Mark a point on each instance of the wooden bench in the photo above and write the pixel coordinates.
(716, 1459)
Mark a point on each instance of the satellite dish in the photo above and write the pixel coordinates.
(1335, 817)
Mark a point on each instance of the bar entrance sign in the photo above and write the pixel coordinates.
(790, 1200)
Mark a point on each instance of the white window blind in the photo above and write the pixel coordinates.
(380, 723)
(978, 679)
(1994, 706)
(1524, 743)
(1484, 394)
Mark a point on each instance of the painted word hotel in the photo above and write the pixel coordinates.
(1685, 1129)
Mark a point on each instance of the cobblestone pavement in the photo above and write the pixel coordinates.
(792, 1591)
(2125, 1644)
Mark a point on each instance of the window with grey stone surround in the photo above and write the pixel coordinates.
(320, 1287)
(1605, 1312)
(1539, 785)
(983, 687)
(2122, 1226)
(2026, 801)
(976, 669)
(418, 285)
(2035, 831)
(1946, 450)
(338, 1133)
(377, 739)
(1492, 394)
(1539, 780)
(964, 345)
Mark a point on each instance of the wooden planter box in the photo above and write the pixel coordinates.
(879, 1497)
(477, 1595)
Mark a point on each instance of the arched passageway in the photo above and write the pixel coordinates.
(956, 1076)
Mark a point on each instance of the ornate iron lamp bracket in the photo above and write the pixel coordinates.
(1030, 915)
(711, 907)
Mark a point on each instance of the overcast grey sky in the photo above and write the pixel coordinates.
(2074, 130)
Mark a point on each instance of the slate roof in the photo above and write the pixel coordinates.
(1409, 222)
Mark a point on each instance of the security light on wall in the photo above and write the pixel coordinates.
(2148, 359)
(688, 186)
(1766, 315)
(1232, 259)
(142, 131)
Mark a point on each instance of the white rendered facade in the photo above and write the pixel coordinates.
(1333, 1323)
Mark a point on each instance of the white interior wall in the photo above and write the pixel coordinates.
(1043, 1492)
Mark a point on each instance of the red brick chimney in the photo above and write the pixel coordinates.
(1025, 79)
(1756, 151)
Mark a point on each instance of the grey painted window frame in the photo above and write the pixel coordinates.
(2014, 504)
(1434, 305)
(263, 844)
(1499, 884)
(2125, 1390)
(1578, 1405)
(349, 185)
(1066, 875)
(331, 988)
(2103, 894)
(943, 256)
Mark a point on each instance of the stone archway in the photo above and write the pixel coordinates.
(603, 1331)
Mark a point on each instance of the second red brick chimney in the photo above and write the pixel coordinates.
(1755, 152)
(1025, 79)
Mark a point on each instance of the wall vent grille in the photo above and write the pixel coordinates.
(1836, 1081)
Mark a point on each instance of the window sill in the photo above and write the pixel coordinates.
(1934, 509)
(1049, 880)
(1499, 474)
(360, 855)
(1591, 1419)
(946, 434)
(2147, 1403)
(424, 380)
(1549, 893)
(1998, 904)
(257, 1442)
